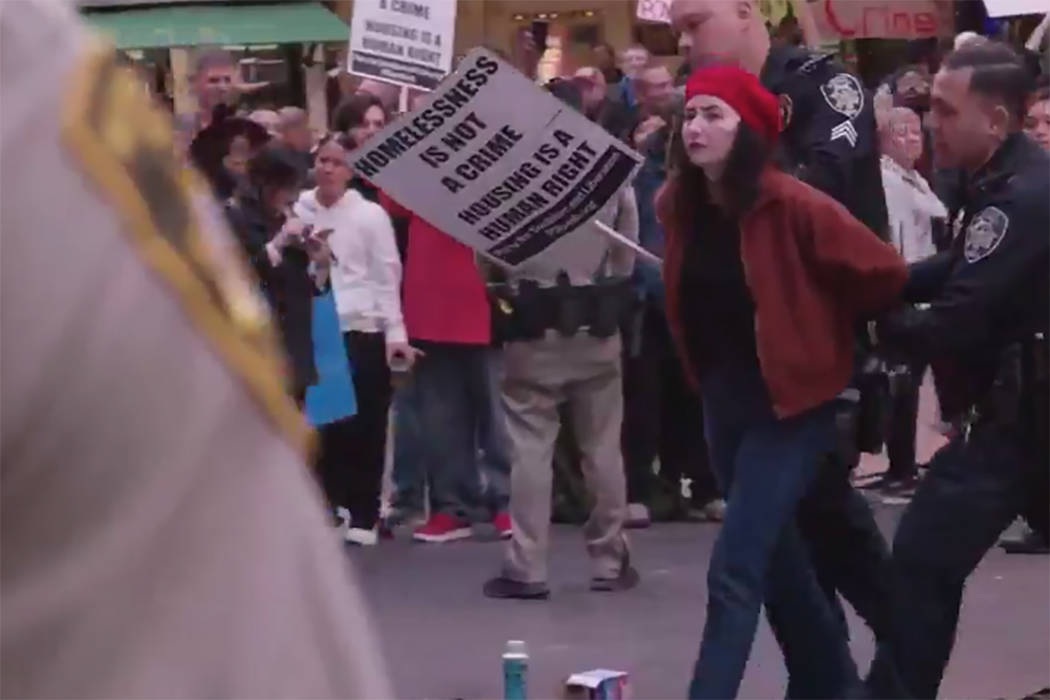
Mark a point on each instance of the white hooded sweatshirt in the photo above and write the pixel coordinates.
(366, 274)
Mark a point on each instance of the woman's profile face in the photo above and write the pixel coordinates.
(708, 130)
(1037, 123)
(371, 124)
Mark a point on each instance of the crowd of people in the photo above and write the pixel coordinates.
(823, 245)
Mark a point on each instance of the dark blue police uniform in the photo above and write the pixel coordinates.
(829, 141)
(989, 299)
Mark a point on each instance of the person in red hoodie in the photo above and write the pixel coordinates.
(453, 391)
(766, 278)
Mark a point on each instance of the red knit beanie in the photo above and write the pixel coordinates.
(758, 108)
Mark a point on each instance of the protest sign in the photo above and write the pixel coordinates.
(497, 162)
(883, 19)
(407, 42)
(1010, 8)
(654, 11)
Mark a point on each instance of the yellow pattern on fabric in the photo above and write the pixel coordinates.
(125, 146)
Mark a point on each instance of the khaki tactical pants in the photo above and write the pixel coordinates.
(583, 372)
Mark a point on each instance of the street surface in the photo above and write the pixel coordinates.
(443, 639)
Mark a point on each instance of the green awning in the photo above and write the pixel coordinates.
(196, 25)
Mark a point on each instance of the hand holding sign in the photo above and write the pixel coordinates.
(508, 169)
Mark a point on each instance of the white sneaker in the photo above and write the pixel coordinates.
(364, 538)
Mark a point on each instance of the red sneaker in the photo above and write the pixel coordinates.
(442, 528)
(503, 524)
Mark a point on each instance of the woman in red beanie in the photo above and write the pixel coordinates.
(766, 278)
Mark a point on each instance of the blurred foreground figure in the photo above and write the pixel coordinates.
(161, 535)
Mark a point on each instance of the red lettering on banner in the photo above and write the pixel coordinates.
(925, 23)
(833, 20)
(890, 19)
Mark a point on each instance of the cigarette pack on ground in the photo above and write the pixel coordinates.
(599, 684)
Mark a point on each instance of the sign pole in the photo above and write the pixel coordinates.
(619, 238)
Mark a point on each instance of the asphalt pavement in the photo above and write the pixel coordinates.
(443, 639)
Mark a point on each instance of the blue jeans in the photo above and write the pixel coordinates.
(452, 399)
(409, 479)
(765, 466)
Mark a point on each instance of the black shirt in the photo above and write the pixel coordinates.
(718, 313)
(288, 287)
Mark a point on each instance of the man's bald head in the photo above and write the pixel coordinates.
(294, 128)
(722, 32)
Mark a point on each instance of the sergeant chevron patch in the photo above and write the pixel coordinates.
(845, 130)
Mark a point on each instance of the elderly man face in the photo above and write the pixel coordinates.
(215, 80)
(592, 88)
(294, 129)
(632, 60)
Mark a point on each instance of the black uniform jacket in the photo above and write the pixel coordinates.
(992, 288)
(288, 287)
(828, 138)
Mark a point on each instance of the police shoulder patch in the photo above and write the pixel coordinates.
(984, 234)
(844, 94)
(125, 147)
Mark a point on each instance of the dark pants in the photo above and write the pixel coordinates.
(765, 467)
(904, 419)
(364, 441)
(849, 553)
(334, 457)
(661, 413)
(974, 489)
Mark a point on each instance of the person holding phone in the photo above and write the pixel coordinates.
(289, 260)
(366, 279)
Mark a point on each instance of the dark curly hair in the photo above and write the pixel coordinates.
(351, 113)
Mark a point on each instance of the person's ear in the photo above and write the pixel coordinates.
(744, 9)
(1000, 122)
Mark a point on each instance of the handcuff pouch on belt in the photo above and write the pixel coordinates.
(530, 310)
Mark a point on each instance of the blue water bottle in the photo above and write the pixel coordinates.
(515, 670)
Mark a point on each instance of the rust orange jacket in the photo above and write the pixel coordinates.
(812, 270)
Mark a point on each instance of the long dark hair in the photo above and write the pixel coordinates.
(689, 190)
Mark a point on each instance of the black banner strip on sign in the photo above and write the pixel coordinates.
(573, 210)
(395, 69)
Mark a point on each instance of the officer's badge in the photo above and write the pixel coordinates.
(984, 234)
(844, 94)
(786, 106)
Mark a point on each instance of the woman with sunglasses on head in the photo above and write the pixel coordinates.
(766, 278)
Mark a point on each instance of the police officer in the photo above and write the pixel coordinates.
(989, 301)
(828, 141)
(564, 348)
(147, 441)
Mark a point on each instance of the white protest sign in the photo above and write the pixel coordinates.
(654, 10)
(497, 162)
(1010, 8)
(407, 42)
